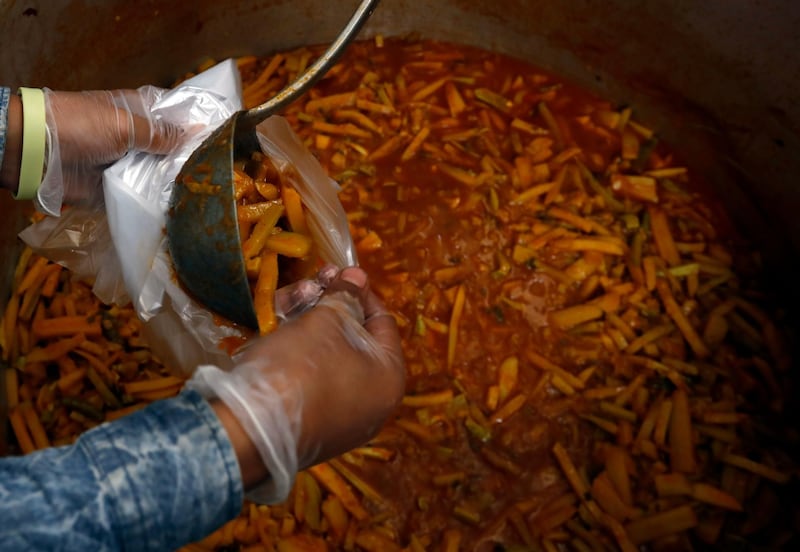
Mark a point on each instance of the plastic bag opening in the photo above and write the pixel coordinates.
(123, 248)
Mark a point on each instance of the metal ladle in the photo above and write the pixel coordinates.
(202, 230)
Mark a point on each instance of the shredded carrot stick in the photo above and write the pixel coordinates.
(616, 464)
(390, 146)
(112, 415)
(92, 348)
(359, 483)
(581, 223)
(417, 430)
(662, 422)
(12, 388)
(22, 265)
(716, 497)
(289, 244)
(10, 325)
(587, 244)
(662, 524)
(608, 498)
(570, 317)
(21, 431)
(562, 385)
(683, 324)
(265, 75)
(455, 100)
(51, 281)
(37, 431)
(651, 335)
(155, 384)
(294, 210)
(56, 349)
(428, 399)
(579, 485)
(67, 325)
(672, 484)
(509, 408)
(68, 380)
(264, 293)
(101, 365)
(332, 481)
(455, 319)
(33, 275)
(106, 394)
(756, 467)
(621, 535)
(532, 193)
(341, 129)
(428, 90)
(680, 434)
(507, 377)
(543, 363)
(373, 107)
(555, 189)
(544, 523)
(252, 212)
(413, 147)
(255, 242)
(329, 103)
(358, 118)
(663, 236)
(642, 188)
(552, 124)
(159, 394)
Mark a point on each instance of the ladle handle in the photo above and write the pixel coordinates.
(318, 68)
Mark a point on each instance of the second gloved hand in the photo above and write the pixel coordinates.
(321, 384)
(87, 131)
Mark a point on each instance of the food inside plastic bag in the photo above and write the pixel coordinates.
(313, 229)
(123, 249)
(275, 241)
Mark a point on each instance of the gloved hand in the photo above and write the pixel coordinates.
(321, 384)
(296, 298)
(87, 131)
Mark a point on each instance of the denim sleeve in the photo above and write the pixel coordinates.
(5, 97)
(157, 479)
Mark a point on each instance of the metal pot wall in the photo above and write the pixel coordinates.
(705, 74)
(717, 79)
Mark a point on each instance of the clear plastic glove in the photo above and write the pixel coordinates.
(321, 384)
(296, 298)
(87, 131)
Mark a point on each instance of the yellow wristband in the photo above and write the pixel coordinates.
(33, 142)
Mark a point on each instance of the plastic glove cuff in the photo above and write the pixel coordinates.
(33, 142)
(268, 431)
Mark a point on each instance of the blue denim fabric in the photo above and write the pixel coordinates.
(5, 97)
(154, 480)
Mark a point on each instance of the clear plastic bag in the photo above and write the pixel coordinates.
(124, 248)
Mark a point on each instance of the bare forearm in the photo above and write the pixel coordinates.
(9, 172)
(250, 463)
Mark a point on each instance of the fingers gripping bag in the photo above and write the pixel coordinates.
(124, 249)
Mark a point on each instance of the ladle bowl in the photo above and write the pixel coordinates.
(202, 228)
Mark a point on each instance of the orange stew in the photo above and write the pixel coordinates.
(590, 365)
(584, 364)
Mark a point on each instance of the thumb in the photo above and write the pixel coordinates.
(155, 136)
(352, 280)
(377, 320)
(146, 132)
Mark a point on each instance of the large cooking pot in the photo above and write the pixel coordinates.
(719, 80)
